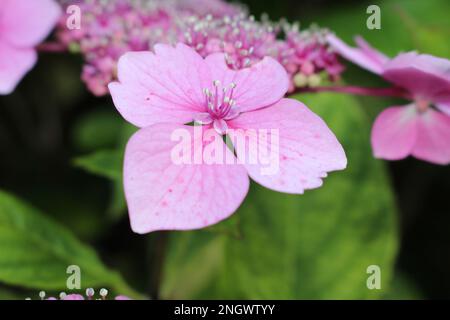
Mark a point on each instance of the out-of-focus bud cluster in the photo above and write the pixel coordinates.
(90, 295)
(110, 28)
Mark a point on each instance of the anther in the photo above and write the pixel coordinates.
(103, 293)
(90, 293)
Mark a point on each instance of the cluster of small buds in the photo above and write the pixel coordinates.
(108, 29)
(111, 28)
(243, 39)
(90, 295)
(306, 55)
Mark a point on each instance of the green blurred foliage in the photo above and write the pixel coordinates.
(37, 251)
(405, 25)
(107, 163)
(314, 246)
(403, 288)
(98, 129)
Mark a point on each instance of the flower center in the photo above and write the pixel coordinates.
(422, 105)
(220, 106)
(219, 102)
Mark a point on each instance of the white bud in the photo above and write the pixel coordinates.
(90, 292)
(314, 80)
(42, 295)
(103, 292)
(300, 80)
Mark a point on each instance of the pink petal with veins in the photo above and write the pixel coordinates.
(165, 86)
(258, 86)
(164, 195)
(303, 153)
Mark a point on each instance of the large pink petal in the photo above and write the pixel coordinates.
(26, 23)
(394, 132)
(433, 138)
(165, 195)
(14, 64)
(304, 152)
(258, 86)
(165, 86)
(425, 76)
(142, 109)
(364, 56)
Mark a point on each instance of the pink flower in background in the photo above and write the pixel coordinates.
(420, 128)
(161, 92)
(23, 25)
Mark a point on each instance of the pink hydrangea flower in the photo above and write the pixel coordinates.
(23, 25)
(163, 91)
(420, 128)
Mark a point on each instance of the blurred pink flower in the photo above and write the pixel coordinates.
(23, 25)
(160, 92)
(420, 128)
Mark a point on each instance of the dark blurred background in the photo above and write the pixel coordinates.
(44, 127)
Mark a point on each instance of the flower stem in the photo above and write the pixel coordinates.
(378, 92)
(52, 47)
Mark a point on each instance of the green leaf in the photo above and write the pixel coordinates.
(99, 129)
(312, 246)
(8, 294)
(106, 163)
(35, 252)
